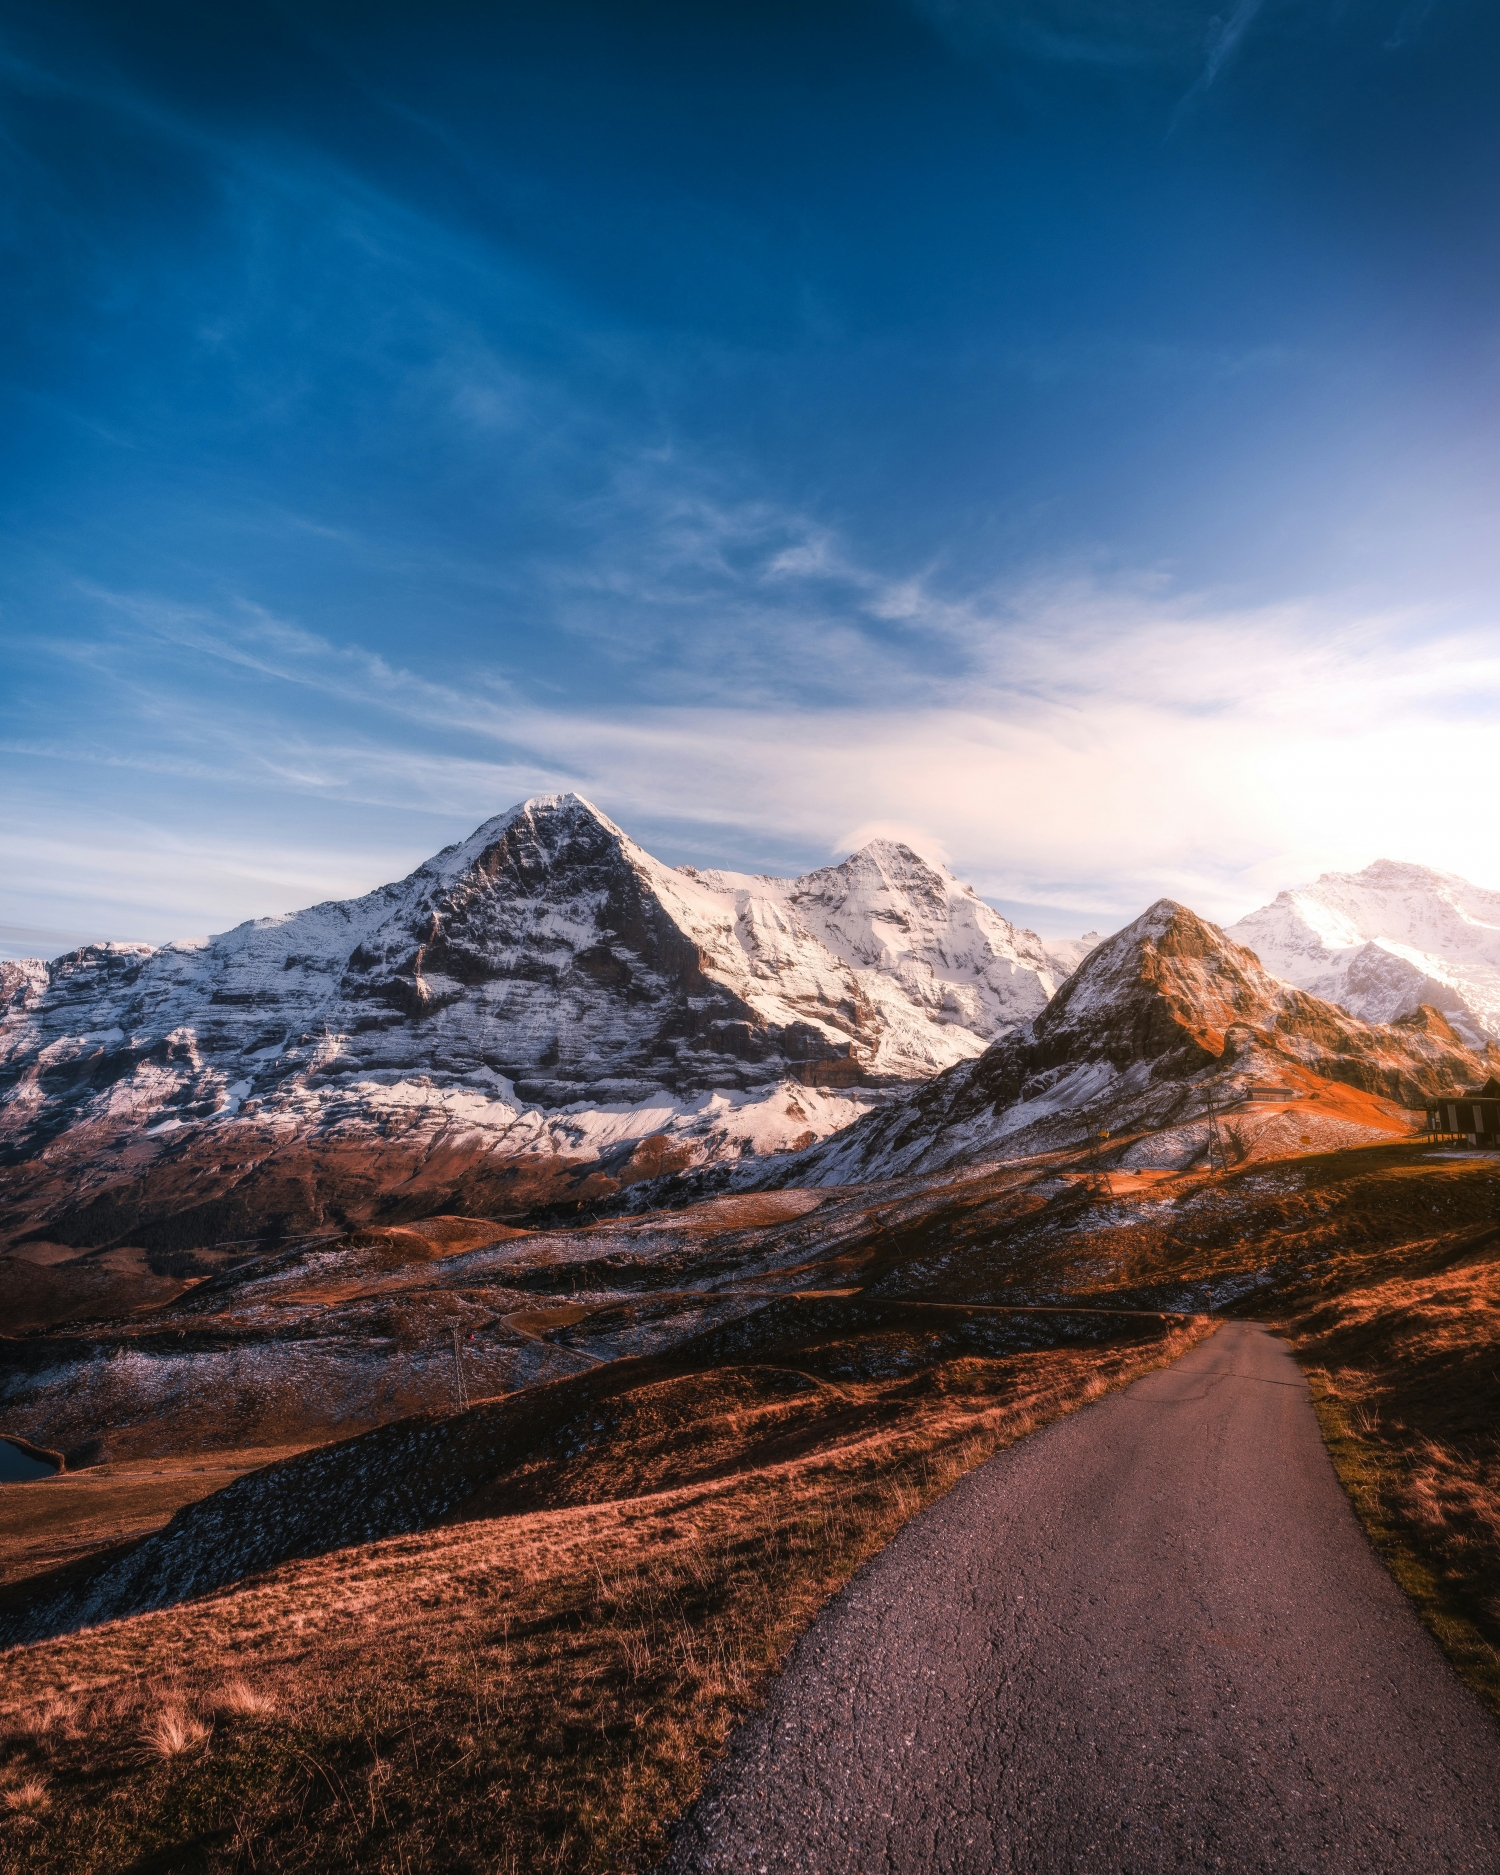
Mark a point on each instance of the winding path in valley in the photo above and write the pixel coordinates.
(1150, 1637)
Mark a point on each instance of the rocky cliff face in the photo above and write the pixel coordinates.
(1156, 1020)
(1383, 941)
(543, 997)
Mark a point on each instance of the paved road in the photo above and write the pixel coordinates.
(1151, 1637)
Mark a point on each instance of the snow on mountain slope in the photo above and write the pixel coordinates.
(1382, 941)
(927, 951)
(545, 991)
(1164, 1014)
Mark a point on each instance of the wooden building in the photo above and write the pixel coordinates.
(1473, 1117)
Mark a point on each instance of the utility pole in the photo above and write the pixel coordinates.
(460, 1389)
(1215, 1142)
(1098, 1178)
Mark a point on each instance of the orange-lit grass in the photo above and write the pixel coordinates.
(541, 1691)
(1406, 1380)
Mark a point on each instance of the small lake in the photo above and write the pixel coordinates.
(18, 1467)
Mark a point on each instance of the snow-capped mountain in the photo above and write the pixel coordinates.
(924, 949)
(544, 995)
(1382, 941)
(1157, 1019)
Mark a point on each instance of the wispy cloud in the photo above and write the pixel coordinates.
(1102, 741)
(1072, 32)
(1224, 36)
(1221, 42)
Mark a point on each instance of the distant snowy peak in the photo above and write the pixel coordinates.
(925, 949)
(1066, 954)
(1382, 941)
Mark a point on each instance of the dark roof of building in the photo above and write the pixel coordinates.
(1490, 1091)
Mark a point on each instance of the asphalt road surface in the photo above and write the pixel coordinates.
(1151, 1637)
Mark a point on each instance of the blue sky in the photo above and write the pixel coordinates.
(1062, 434)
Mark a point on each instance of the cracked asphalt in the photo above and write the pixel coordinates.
(1152, 1636)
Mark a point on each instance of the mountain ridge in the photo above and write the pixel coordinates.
(545, 1015)
(543, 993)
(1164, 1015)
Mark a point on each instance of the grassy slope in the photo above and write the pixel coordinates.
(536, 1690)
(1405, 1371)
(79, 1514)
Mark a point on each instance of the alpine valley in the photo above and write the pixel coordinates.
(479, 1324)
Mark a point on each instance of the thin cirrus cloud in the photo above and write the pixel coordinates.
(1071, 746)
(1157, 33)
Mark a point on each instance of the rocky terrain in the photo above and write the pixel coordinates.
(1382, 941)
(540, 1013)
(1169, 1046)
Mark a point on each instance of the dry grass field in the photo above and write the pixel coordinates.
(536, 1690)
(1405, 1372)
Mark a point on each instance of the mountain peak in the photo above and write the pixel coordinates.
(548, 817)
(1168, 986)
(899, 856)
(1381, 941)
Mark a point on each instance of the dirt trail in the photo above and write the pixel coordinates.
(1151, 1637)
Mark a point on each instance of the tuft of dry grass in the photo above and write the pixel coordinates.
(26, 1798)
(58, 1714)
(171, 1732)
(238, 1699)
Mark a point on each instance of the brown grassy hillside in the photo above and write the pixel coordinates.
(1406, 1374)
(539, 1682)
